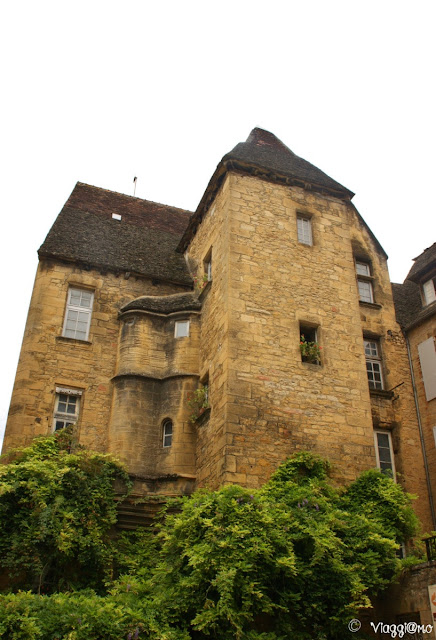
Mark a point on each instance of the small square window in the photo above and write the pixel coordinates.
(373, 364)
(78, 314)
(304, 230)
(181, 329)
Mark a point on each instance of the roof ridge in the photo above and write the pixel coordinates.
(126, 195)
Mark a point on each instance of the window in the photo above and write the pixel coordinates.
(67, 405)
(364, 283)
(167, 431)
(78, 314)
(373, 364)
(429, 289)
(309, 347)
(181, 329)
(304, 230)
(384, 453)
(207, 263)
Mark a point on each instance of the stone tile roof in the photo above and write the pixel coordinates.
(409, 307)
(143, 242)
(424, 262)
(263, 155)
(264, 151)
(407, 301)
(165, 304)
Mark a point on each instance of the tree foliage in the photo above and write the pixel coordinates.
(294, 559)
(56, 512)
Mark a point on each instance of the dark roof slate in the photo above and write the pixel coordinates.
(264, 151)
(407, 301)
(423, 263)
(165, 304)
(143, 242)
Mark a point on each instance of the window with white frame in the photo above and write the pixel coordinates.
(384, 452)
(167, 433)
(181, 329)
(373, 364)
(429, 289)
(364, 282)
(304, 230)
(67, 406)
(78, 313)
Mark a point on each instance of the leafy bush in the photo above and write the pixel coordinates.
(56, 512)
(294, 559)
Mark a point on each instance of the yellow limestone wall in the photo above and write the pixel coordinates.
(267, 403)
(48, 360)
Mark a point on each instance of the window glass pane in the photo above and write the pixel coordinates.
(304, 230)
(429, 291)
(182, 329)
(362, 269)
(383, 440)
(78, 315)
(365, 291)
(371, 348)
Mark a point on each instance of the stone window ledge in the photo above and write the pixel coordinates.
(204, 417)
(371, 305)
(72, 340)
(381, 393)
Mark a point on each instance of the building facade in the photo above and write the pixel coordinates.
(204, 348)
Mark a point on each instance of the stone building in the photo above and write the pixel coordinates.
(204, 348)
(415, 302)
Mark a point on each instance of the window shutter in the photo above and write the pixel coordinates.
(427, 358)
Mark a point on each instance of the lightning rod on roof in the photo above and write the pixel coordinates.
(134, 185)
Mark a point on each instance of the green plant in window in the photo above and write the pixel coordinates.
(310, 351)
(199, 402)
(200, 282)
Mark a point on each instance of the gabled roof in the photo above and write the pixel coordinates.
(423, 263)
(143, 242)
(266, 157)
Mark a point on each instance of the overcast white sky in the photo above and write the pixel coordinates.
(104, 91)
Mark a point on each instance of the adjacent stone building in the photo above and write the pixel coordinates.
(415, 302)
(204, 348)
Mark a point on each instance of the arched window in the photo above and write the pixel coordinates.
(167, 433)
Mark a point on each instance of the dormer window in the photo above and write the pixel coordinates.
(429, 290)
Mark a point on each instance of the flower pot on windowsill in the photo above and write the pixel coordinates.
(310, 351)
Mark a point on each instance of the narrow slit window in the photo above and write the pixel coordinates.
(167, 429)
(373, 364)
(384, 452)
(304, 230)
(364, 282)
